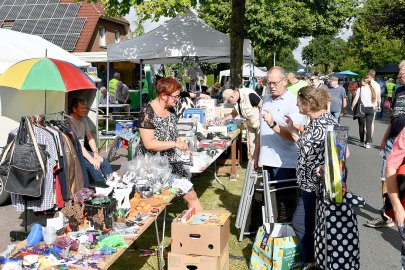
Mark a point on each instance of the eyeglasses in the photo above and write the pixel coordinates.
(176, 97)
(274, 83)
(312, 79)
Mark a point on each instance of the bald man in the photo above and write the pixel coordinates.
(294, 84)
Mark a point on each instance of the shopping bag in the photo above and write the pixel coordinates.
(335, 162)
(277, 250)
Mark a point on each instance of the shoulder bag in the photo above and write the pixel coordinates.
(27, 166)
(358, 110)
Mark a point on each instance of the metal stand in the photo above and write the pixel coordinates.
(161, 244)
(21, 235)
(245, 203)
(216, 179)
(250, 187)
(269, 195)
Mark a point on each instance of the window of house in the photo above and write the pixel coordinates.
(117, 36)
(101, 33)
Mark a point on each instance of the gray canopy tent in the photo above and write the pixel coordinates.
(183, 38)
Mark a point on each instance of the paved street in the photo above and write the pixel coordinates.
(380, 248)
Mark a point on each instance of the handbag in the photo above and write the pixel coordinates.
(278, 250)
(27, 170)
(358, 110)
(387, 104)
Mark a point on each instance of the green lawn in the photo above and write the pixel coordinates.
(212, 197)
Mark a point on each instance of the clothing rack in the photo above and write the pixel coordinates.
(36, 119)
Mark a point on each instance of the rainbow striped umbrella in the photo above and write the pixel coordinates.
(46, 74)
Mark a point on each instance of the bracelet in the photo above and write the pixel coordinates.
(273, 125)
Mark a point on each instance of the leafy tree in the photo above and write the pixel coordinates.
(387, 14)
(139, 29)
(274, 25)
(375, 47)
(270, 24)
(325, 53)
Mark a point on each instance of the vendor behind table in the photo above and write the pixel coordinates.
(247, 104)
(158, 130)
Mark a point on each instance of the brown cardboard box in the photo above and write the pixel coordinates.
(222, 112)
(202, 238)
(186, 262)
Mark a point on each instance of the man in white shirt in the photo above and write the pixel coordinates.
(275, 149)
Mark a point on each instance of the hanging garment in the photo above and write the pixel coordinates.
(336, 234)
(74, 170)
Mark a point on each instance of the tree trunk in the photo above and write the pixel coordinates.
(236, 36)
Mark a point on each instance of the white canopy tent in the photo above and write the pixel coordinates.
(17, 46)
(246, 69)
(184, 36)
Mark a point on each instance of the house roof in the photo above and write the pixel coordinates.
(65, 23)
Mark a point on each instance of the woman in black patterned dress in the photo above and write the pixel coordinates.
(313, 103)
(158, 131)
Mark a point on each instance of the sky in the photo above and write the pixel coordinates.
(149, 25)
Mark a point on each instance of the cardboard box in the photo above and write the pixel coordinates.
(197, 113)
(222, 112)
(207, 233)
(185, 262)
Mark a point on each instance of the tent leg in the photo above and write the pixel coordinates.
(140, 85)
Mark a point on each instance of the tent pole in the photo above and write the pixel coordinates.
(108, 94)
(252, 73)
(140, 85)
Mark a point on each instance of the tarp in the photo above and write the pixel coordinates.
(17, 46)
(245, 72)
(185, 35)
(348, 73)
(390, 68)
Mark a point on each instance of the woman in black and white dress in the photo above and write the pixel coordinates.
(158, 131)
(313, 103)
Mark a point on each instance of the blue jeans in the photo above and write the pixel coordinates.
(98, 175)
(286, 199)
(303, 223)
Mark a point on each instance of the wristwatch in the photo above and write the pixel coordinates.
(273, 125)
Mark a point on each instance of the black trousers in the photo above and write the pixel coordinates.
(367, 121)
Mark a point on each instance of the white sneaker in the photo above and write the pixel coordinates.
(367, 146)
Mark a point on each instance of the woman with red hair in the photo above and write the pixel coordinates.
(158, 131)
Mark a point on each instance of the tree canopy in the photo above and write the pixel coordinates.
(273, 26)
(325, 53)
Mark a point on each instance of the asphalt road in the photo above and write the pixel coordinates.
(379, 248)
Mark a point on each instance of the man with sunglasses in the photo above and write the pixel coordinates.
(275, 148)
(314, 81)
